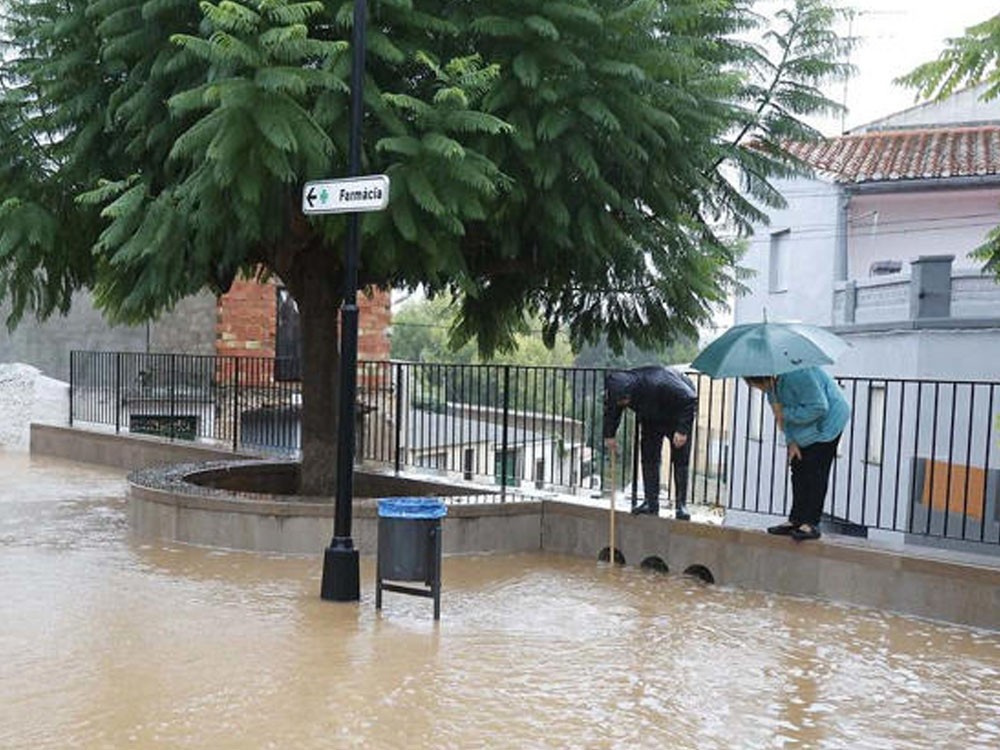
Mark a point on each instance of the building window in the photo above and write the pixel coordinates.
(876, 423)
(288, 344)
(778, 276)
(468, 463)
(506, 467)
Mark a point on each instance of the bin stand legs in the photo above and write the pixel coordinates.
(434, 579)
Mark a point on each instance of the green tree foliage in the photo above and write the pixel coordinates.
(600, 354)
(582, 163)
(968, 60)
(421, 333)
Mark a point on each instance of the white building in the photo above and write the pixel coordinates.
(877, 247)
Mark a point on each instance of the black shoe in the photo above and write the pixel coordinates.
(645, 509)
(804, 532)
(782, 529)
(681, 513)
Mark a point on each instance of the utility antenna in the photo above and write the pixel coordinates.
(847, 79)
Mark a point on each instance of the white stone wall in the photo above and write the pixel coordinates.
(27, 396)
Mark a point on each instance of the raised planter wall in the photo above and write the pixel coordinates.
(926, 583)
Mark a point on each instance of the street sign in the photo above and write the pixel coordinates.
(347, 196)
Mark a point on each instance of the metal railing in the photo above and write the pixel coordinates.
(920, 458)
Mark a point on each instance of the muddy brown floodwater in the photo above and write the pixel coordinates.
(107, 641)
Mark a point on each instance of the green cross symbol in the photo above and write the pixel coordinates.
(324, 196)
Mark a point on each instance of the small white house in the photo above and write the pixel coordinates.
(877, 247)
(877, 244)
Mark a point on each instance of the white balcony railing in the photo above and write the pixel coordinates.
(964, 294)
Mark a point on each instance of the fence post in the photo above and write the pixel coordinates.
(72, 384)
(635, 464)
(173, 395)
(236, 403)
(399, 416)
(118, 392)
(506, 421)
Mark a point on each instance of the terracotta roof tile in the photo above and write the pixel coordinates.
(893, 155)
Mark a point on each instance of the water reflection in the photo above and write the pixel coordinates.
(111, 642)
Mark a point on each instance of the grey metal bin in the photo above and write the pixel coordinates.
(409, 547)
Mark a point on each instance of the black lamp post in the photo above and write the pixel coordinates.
(340, 560)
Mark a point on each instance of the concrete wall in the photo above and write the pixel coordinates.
(120, 451)
(811, 221)
(189, 328)
(835, 570)
(904, 226)
(961, 108)
(942, 587)
(306, 528)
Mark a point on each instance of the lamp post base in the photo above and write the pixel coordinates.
(341, 579)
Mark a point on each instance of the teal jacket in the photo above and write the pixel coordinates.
(814, 407)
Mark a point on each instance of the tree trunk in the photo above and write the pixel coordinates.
(318, 296)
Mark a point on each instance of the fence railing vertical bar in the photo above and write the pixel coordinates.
(118, 393)
(578, 413)
(899, 452)
(723, 457)
(566, 447)
(968, 465)
(774, 463)
(932, 460)
(850, 456)
(986, 465)
(915, 459)
(398, 426)
(882, 451)
(173, 396)
(865, 451)
(503, 437)
(951, 458)
(746, 450)
(513, 442)
(73, 381)
(537, 433)
(235, 417)
(708, 436)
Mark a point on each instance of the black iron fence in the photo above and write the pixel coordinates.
(919, 457)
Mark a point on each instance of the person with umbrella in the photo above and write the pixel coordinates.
(810, 409)
(781, 360)
(664, 401)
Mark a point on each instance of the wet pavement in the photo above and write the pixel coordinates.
(107, 641)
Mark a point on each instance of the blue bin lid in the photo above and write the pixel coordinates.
(411, 507)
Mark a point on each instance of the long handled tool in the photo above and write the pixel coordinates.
(614, 498)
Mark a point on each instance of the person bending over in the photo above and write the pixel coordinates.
(664, 401)
(811, 410)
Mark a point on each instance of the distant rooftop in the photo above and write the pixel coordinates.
(963, 108)
(906, 154)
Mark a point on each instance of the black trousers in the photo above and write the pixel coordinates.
(810, 479)
(651, 451)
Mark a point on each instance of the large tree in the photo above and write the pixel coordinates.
(585, 163)
(968, 60)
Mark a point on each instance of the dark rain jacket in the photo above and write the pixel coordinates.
(663, 399)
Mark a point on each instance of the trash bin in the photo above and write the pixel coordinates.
(409, 547)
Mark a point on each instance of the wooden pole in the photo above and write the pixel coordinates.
(614, 494)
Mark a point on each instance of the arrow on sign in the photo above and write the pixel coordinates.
(311, 196)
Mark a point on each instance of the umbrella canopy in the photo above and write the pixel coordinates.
(768, 349)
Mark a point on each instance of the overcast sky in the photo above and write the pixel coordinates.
(894, 36)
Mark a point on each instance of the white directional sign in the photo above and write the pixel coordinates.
(349, 195)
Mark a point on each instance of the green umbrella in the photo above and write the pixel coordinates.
(768, 349)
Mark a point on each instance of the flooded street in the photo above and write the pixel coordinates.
(112, 642)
